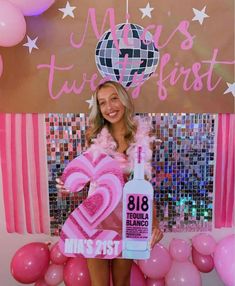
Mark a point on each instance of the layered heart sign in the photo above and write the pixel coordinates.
(82, 232)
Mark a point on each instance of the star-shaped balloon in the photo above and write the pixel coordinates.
(90, 102)
(231, 88)
(67, 10)
(146, 11)
(31, 44)
(199, 15)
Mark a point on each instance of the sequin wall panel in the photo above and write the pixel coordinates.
(182, 167)
(65, 141)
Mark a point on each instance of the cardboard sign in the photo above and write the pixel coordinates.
(95, 228)
(83, 232)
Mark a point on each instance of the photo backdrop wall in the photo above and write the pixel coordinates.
(175, 56)
(189, 195)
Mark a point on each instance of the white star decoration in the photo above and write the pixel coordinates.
(146, 11)
(199, 15)
(90, 102)
(31, 44)
(67, 10)
(231, 88)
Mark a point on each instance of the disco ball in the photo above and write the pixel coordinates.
(140, 56)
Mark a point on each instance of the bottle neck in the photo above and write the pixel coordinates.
(139, 164)
(139, 171)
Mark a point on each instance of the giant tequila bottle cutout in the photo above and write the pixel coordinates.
(137, 212)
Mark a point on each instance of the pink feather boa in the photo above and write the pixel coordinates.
(104, 143)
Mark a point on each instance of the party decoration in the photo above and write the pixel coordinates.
(200, 15)
(176, 41)
(204, 243)
(76, 272)
(154, 282)
(231, 88)
(33, 8)
(179, 249)
(30, 262)
(31, 44)
(65, 65)
(56, 255)
(90, 102)
(12, 24)
(67, 10)
(137, 277)
(25, 161)
(183, 274)
(173, 128)
(133, 61)
(54, 274)
(224, 259)
(224, 185)
(1, 66)
(204, 263)
(79, 234)
(146, 11)
(159, 263)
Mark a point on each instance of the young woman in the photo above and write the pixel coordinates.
(116, 131)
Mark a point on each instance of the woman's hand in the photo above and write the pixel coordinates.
(60, 187)
(157, 235)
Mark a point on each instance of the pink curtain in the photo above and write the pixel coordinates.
(224, 181)
(24, 173)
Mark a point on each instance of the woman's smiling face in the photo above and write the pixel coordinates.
(110, 105)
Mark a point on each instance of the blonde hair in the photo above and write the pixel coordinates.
(97, 122)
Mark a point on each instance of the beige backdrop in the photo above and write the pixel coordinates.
(24, 87)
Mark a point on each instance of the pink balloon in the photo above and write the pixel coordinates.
(30, 262)
(41, 282)
(31, 8)
(12, 24)
(76, 272)
(56, 255)
(224, 259)
(158, 264)
(137, 277)
(204, 243)
(179, 249)
(204, 263)
(1, 66)
(183, 274)
(153, 282)
(54, 274)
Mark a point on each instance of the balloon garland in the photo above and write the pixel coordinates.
(12, 21)
(46, 265)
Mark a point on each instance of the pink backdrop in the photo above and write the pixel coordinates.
(224, 181)
(24, 173)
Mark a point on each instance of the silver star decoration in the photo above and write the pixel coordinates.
(231, 88)
(90, 102)
(67, 10)
(31, 44)
(199, 15)
(146, 11)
